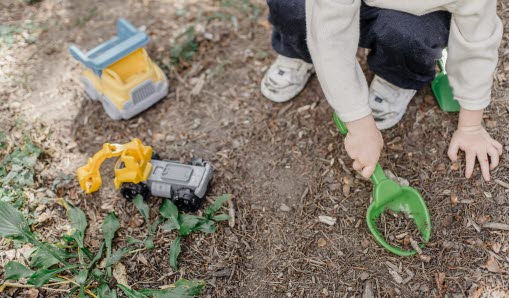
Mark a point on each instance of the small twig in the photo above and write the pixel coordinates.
(231, 212)
(90, 293)
(15, 285)
(68, 279)
(59, 283)
(502, 183)
(496, 226)
(179, 78)
(415, 246)
(135, 251)
(56, 290)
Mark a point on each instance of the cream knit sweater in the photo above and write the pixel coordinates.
(333, 35)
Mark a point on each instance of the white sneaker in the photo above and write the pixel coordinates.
(388, 102)
(285, 78)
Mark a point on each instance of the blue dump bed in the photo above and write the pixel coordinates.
(127, 40)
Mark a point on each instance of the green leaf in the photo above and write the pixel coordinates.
(82, 277)
(78, 222)
(116, 256)
(168, 210)
(188, 223)
(221, 217)
(15, 271)
(131, 240)
(42, 259)
(130, 293)
(174, 252)
(218, 203)
(183, 288)
(42, 276)
(97, 273)
(142, 207)
(155, 224)
(207, 226)
(169, 225)
(149, 243)
(97, 257)
(12, 223)
(71, 293)
(110, 227)
(104, 291)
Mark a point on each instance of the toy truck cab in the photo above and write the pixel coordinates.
(121, 75)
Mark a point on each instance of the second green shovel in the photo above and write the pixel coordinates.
(387, 194)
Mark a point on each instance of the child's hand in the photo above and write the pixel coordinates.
(475, 141)
(363, 144)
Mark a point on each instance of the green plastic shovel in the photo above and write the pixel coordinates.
(442, 89)
(387, 194)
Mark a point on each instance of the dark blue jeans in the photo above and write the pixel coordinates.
(404, 47)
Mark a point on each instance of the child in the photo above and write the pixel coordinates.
(405, 38)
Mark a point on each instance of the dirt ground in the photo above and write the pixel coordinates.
(284, 163)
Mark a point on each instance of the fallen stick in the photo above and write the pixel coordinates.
(502, 183)
(231, 212)
(496, 226)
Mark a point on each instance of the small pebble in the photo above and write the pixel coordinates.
(284, 208)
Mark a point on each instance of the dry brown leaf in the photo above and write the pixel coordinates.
(492, 265)
(455, 166)
(454, 199)
(322, 242)
(496, 247)
(120, 274)
(32, 293)
(477, 292)
(440, 282)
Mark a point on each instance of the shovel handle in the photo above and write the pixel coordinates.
(378, 175)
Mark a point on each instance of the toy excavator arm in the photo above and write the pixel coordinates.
(89, 175)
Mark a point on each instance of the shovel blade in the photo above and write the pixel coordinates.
(390, 195)
(444, 94)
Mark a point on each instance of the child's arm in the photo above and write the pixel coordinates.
(333, 37)
(476, 32)
(474, 140)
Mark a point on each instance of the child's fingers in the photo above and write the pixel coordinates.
(470, 162)
(485, 166)
(500, 147)
(494, 157)
(368, 171)
(357, 166)
(453, 151)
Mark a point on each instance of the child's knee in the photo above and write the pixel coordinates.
(284, 13)
(411, 38)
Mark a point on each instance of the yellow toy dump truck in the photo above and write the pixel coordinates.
(140, 172)
(121, 75)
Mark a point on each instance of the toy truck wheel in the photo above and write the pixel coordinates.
(186, 200)
(197, 162)
(131, 190)
(155, 156)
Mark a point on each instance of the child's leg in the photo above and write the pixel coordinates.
(288, 75)
(404, 47)
(288, 19)
(404, 50)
